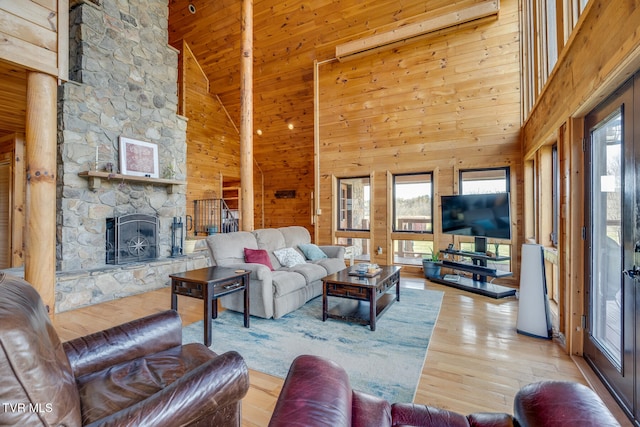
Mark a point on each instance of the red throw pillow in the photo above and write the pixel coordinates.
(258, 256)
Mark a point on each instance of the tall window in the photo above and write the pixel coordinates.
(484, 181)
(354, 203)
(413, 203)
(555, 195)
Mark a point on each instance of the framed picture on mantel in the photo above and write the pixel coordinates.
(138, 158)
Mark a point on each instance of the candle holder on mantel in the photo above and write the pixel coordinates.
(177, 235)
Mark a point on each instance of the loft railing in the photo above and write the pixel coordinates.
(212, 216)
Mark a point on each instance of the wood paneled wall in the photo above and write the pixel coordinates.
(35, 35)
(441, 104)
(213, 146)
(288, 38)
(601, 54)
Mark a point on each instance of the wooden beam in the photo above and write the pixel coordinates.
(376, 42)
(246, 117)
(40, 232)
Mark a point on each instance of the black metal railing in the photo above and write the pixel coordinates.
(212, 216)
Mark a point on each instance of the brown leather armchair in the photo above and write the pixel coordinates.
(135, 374)
(317, 393)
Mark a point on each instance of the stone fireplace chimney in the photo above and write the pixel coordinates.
(123, 83)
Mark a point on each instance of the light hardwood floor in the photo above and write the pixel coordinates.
(476, 360)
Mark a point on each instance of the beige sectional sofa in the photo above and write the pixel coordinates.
(283, 289)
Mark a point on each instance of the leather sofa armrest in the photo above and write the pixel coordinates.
(561, 403)
(370, 410)
(333, 251)
(128, 341)
(316, 393)
(222, 381)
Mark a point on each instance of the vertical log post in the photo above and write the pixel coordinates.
(246, 117)
(40, 230)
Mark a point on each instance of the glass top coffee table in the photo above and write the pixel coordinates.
(362, 299)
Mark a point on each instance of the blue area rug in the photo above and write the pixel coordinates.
(386, 362)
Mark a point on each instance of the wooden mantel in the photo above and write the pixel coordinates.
(95, 180)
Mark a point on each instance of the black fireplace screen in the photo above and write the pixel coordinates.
(132, 238)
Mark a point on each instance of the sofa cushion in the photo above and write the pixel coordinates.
(285, 282)
(228, 248)
(269, 239)
(257, 256)
(120, 386)
(295, 235)
(312, 252)
(310, 271)
(332, 265)
(289, 257)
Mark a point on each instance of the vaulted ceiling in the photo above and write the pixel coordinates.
(288, 37)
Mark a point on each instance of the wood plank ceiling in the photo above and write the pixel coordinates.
(288, 37)
(13, 98)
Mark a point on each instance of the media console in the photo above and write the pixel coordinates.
(479, 272)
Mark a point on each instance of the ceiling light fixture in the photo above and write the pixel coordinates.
(290, 126)
(192, 8)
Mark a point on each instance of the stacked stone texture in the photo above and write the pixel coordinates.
(123, 82)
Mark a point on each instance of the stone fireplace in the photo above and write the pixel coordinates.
(123, 82)
(132, 238)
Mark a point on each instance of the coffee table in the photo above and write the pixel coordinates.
(365, 299)
(209, 284)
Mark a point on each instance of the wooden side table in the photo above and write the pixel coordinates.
(209, 284)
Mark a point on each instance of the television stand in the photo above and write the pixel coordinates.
(479, 272)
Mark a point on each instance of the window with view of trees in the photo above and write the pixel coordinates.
(413, 203)
(354, 203)
(412, 213)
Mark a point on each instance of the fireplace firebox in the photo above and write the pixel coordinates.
(132, 238)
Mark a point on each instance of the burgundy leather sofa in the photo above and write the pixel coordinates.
(317, 393)
(135, 374)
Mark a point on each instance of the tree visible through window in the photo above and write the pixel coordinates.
(413, 203)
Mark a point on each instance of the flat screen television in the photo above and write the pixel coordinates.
(478, 215)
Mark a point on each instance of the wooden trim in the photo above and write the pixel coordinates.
(373, 43)
(63, 40)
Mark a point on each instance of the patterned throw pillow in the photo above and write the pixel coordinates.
(312, 252)
(289, 257)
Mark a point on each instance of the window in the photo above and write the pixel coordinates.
(413, 203)
(354, 203)
(555, 195)
(484, 181)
